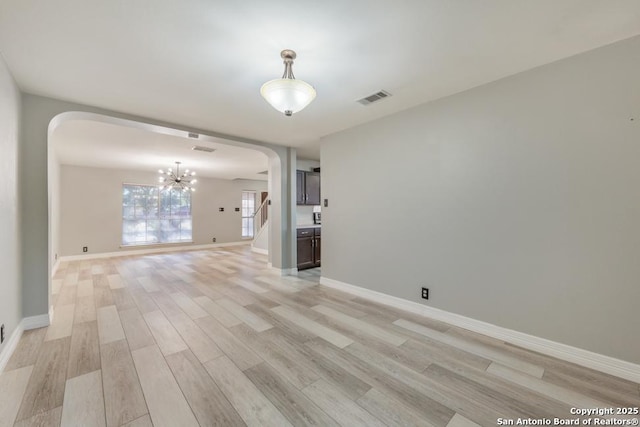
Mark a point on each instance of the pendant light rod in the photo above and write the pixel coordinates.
(288, 55)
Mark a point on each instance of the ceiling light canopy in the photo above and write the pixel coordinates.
(175, 180)
(287, 94)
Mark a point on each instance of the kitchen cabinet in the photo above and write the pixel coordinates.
(309, 241)
(307, 188)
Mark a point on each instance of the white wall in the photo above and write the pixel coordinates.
(304, 214)
(517, 203)
(10, 250)
(91, 208)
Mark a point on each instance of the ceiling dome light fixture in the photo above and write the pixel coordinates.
(287, 94)
(175, 180)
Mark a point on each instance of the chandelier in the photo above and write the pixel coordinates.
(175, 180)
(287, 94)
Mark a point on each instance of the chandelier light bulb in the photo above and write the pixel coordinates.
(176, 180)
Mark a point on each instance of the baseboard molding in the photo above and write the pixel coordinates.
(259, 251)
(284, 271)
(599, 362)
(10, 347)
(26, 324)
(289, 271)
(155, 250)
(54, 269)
(35, 322)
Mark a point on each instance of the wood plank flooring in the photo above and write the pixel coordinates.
(215, 338)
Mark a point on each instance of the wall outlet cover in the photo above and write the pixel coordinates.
(425, 293)
(85, 249)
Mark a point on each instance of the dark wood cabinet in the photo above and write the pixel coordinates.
(307, 188)
(300, 188)
(316, 250)
(308, 248)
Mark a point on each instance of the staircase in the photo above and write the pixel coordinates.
(260, 243)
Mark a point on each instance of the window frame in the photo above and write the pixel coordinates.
(165, 224)
(250, 218)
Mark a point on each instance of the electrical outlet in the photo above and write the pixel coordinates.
(221, 209)
(237, 209)
(425, 293)
(213, 240)
(2, 333)
(85, 249)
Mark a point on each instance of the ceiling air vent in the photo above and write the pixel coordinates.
(374, 98)
(193, 135)
(201, 148)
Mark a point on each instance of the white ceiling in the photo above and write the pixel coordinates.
(201, 62)
(105, 145)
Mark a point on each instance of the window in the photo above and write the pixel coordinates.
(248, 209)
(151, 215)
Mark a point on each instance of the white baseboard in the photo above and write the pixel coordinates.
(284, 271)
(35, 322)
(10, 347)
(289, 271)
(26, 324)
(154, 250)
(260, 251)
(599, 362)
(54, 269)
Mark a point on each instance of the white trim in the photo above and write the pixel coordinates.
(290, 271)
(286, 271)
(35, 322)
(619, 368)
(27, 323)
(54, 269)
(283, 271)
(260, 251)
(10, 347)
(128, 252)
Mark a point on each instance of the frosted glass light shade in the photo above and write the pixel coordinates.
(288, 95)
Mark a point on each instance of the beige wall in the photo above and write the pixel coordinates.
(91, 208)
(516, 203)
(10, 248)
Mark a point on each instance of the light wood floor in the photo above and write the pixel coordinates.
(215, 338)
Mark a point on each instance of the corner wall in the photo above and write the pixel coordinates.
(516, 202)
(10, 212)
